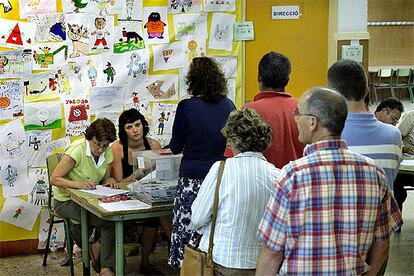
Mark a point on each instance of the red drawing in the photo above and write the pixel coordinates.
(15, 36)
(18, 211)
(77, 113)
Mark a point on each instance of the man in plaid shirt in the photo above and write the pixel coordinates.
(331, 212)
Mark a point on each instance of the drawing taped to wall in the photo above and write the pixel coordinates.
(50, 27)
(156, 26)
(181, 6)
(101, 39)
(78, 34)
(58, 232)
(37, 141)
(128, 36)
(18, 212)
(13, 141)
(11, 99)
(219, 5)
(13, 176)
(167, 56)
(42, 86)
(15, 63)
(30, 7)
(6, 6)
(49, 55)
(194, 47)
(162, 119)
(131, 11)
(76, 115)
(42, 115)
(221, 32)
(137, 64)
(106, 99)
(190, 25)
(16, 34)
(40, 191)
(228, 64)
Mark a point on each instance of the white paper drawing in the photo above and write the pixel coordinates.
(231, 90)
(167, 56)
(128, 36)
(221, 32)
(194, 47)
(42, 86)
(102, 7)
(132, 100)
(137, 63)
(13, 141)
(76, 115)
(162, 120)
(114, 69)
(49, 55)
(131, 10)
(13, 176)
(16, 34)
(11, 99)
(101, 39)
(57, 145)
(42, 115)
(181, 6)
(156, 25)
(156, 88)
(194, 24)
(182, 75)
(78, 34)
(30, 7)
(228, 64)
(15, 63)
(18, 212)
(50, 27)
(106, 99)
(57, 237)
(221, 5)
(36, 142)
(40, 191)
(112, 116)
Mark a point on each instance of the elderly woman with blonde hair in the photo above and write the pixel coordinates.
(244, 191)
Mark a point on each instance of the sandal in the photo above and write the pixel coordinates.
(95, 260)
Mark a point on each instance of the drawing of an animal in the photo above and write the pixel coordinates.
(6, 5)
(76, 33)
(59, 29)
(131, 35)
(135, 66)
(221, 33)
(155, 90)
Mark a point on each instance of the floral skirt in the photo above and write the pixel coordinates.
(187, 191)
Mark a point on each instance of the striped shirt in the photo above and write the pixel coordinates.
(244, 191)
(326, 210)
(366, 135)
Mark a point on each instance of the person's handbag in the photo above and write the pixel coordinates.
(197, 262)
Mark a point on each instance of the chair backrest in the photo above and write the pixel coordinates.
(51, 162)
(403, 72)
(403, 77)
(385, 73)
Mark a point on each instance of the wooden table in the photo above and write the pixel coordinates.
(89, 203)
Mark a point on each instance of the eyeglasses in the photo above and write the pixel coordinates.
(394, 118)
(100, 145)
(296, 114)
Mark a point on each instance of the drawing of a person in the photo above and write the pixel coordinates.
(11, 175)
(13, 144)
(161, 121)
(18, 212)
(110, 72)
(100, 33)
(92, 73)
(3, 62)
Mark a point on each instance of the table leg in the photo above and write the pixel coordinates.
(119, 248)
(85, 242)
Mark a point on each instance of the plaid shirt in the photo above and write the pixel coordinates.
(326, 210)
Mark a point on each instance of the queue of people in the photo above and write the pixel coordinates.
(305, 189)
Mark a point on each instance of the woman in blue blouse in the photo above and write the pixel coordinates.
(196, 133)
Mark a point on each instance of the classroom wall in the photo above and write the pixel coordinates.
(304, 41)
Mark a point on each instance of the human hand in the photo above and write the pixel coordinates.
(87, 184)
(111, 183)
(409, 150)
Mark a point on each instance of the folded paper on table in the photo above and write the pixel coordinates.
(125, 205)
(104, 191)
(408, 163)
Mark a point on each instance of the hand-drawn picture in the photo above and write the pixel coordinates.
(42, 85)
(74, 5)
(110, 72)
(36, 142)
(11, 99)
(101, 7)
(76, 116)
(113, 70)
(221, 32)
(78, 34)
(231, 90)
(18, 212)
(183, 86)
(49, 55)
(6, 6)
(102, 33)
(156, 26)
(167, 56)
(15, 63)
(138, 63)
(180, 6)
(219, 5)
(13, 141)
(30, 7)
(13, 176)
(50, 27)
(162, 87)
(132, 100)
(162, 120)
(194, 47)
(131, 10)
(106, 99)
(228, 64)
(58, 145)
(186, 25)
(16, 34)
(40, 191)
(58, 232)
(42, 115)
(128, 37)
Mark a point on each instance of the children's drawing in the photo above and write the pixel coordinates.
(228, 64)
(42, 86)
(15, 63)
(72, 80)
(156, 25)
(162, 90)
(219, 5)
(58, 232)
(183, 86)
(131, 10)
(49, 56)
(50, 27)
(221, 32)
(78, 32)
(16, 34)
(168, 56)
(132, 100)
(112, 116)
(194, 24)
(29, 7)
(36, 141)
(179, 6)
(113, 70)
(106, 99)
(194, 47)
(13, 141)
(13, 176)
(162, 120)
(26, 213)
(137, 63)
(153, 88)
(128, 36)
(231, 90)
(102, 34)
(42, 115)
(11, 99)
(7, 6)
(56, 146)
(40, 191)
(110, 72)
(76, 115)
(74, 6)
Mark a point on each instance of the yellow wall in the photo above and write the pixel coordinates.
(304, 41)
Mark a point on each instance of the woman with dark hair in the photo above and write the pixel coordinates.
(133, 131)
(83, 166)
(196, 133)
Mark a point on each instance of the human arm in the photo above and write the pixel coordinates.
(109, 181)
(178, 132)
(408, 149)
(376, 256)
(269, 261)
(116, 165)
(62, 169)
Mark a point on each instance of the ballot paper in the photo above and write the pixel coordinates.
(126, 205)
(408, 163)
(104, 191)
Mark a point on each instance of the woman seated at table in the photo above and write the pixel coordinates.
(245, 188)
(133, 131)
(83, 166)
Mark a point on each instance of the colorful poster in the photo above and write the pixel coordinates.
(13, 143)
(221, 32)
(156, 25)
(16, 34)
(50, 27)
(194, 24)
(193, 47)
(13, 176)
(156, 88)
(128, 36)
(30, 7)
(57, 237)
(162, 121)
(15, 63)
(76, 115)
(11, 99)
(42, 115)
(40, 192)
(37, 141)
(180, 6)
(131, 10)
(106, 99)
(167, 56)
(214, 5)
(48, 56)
(18, 212)
(101, 39)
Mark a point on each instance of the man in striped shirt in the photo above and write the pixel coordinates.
(331, 211)
(363, 133)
